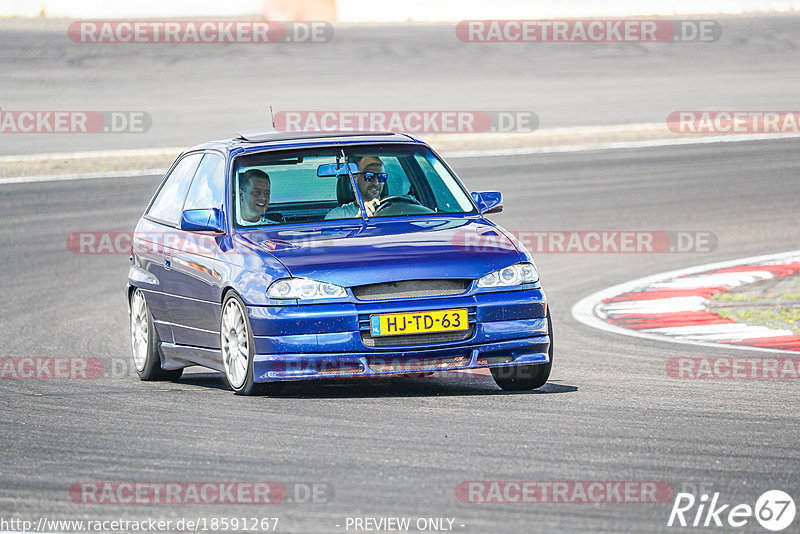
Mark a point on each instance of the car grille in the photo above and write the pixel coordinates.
(411, 289)
(415, 339)
(410, 340)
(341, 370)
(419, 365)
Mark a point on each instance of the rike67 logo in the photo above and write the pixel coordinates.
(774, 510)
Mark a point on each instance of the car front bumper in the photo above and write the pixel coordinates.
(299, 342)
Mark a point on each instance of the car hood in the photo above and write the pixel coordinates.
(358, 253)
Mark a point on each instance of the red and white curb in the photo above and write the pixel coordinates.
(673, 306)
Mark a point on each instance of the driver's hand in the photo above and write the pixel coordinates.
(372, 206)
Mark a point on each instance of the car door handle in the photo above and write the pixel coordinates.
(168, 262)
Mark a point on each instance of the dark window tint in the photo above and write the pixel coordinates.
(168, 203)
(208, 187)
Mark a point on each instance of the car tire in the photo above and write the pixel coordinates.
(237, 347)
(526, 377)
(144, 342)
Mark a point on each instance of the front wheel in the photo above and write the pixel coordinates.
(144, 343)
(526, 377)
(238, 349)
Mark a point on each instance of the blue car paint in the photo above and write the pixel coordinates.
(185, 275)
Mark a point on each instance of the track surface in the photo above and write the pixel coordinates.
(396, 448)
(196, 92)
(393, 448)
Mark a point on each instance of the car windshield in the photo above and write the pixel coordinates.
(313, 185)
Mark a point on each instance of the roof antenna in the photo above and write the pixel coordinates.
(272, 115)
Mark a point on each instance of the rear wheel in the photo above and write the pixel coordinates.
(238, 349)
(526, 377)
(144, 343)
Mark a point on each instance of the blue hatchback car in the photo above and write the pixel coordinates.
(276, 257)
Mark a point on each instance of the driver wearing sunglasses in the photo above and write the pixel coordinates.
(371, 179)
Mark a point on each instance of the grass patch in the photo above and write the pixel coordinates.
(772, 303)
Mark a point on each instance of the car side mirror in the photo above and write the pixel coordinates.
(488, 201)
(203, 220)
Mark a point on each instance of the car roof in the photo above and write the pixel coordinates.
(253, 140)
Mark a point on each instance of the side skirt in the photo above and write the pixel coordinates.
(179, 356)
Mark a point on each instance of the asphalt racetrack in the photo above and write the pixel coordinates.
(196, 92)
(392, 448)
(401, 448)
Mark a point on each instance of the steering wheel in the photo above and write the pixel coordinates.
(394, 200)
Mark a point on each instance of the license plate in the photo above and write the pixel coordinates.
(392, 324)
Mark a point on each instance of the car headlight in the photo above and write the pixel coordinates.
(304, 288)
(514, 275)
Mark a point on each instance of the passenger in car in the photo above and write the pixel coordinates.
(370, 179)
(254, 191)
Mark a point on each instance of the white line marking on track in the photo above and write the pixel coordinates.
(730, 280)
(584, 310)
(668, 305)
(733, 138)
(82, 176)
(95, 154)
(712, 332)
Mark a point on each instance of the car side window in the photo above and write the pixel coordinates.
(167, 205)
(208, 188)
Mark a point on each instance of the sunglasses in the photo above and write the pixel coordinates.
(369, 176)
